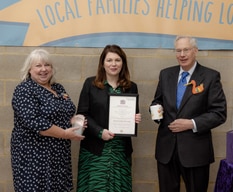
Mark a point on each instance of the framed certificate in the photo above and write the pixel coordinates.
(122, 110)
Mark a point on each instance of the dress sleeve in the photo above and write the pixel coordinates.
(26, 106)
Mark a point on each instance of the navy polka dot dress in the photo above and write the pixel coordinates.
(39, 163)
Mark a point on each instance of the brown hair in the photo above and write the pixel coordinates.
(124, 76)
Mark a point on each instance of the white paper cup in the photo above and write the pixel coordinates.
(156, 112)
(77, 122)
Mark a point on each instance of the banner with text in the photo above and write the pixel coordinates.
(128, 23)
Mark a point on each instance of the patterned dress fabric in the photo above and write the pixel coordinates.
(110, 172)
(39, 163)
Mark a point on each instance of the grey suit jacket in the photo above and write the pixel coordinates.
(207, 108)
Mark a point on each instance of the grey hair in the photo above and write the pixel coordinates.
(37, 55)
(192, 40)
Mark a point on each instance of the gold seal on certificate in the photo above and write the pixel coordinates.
(122, 110)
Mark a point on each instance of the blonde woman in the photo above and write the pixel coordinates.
(40, 142)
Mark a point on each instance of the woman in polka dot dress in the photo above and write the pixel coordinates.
(41, 137)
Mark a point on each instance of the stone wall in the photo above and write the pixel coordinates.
(74, 65)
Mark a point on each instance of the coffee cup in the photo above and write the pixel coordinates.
(156, 112)
(77, 122)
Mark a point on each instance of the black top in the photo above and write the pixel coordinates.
(93, 103)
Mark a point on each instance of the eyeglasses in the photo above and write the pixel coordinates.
(185, 51)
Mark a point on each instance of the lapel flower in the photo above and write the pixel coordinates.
(196, 89)
(65, 96)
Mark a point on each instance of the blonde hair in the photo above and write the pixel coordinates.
(37, 55)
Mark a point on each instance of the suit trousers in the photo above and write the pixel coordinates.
(196, 179)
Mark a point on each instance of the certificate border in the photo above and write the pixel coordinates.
(123, 95)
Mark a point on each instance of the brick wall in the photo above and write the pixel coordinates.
(74, 65)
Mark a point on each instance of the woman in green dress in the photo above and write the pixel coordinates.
(105, 159)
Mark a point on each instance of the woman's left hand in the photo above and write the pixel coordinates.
(138, 118)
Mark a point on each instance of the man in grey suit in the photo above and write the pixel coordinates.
(184, 142)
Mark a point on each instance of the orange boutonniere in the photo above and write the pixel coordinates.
(65, 96)
(196, 89)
